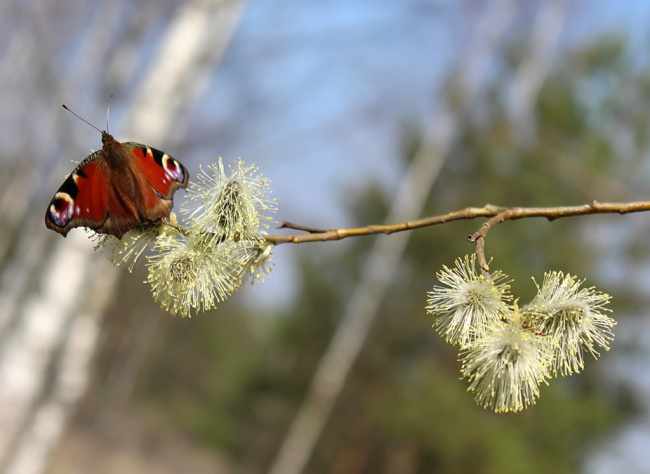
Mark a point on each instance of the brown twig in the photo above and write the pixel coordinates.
(551, 213)
(338, 234)
(478, 238)
(480, 255)
(311, 230)
(496, 213)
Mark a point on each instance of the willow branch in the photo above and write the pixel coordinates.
(311, 230)
(338, 234)
(496, 214)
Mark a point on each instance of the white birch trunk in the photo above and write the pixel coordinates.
(48, 334)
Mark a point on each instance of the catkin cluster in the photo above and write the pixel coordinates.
(508, 351)
(192, 268)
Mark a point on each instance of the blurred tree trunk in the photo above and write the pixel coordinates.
(50, 320)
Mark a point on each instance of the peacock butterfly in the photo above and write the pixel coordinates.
(116, 188)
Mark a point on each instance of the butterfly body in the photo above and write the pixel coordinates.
(117, 188)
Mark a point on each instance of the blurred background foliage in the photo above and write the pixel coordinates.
(218, 392)
(232, 379)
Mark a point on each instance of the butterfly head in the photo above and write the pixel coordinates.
(106, 137)
(114, 151)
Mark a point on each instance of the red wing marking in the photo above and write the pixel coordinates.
(164, 173)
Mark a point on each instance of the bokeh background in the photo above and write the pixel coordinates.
(359, 113)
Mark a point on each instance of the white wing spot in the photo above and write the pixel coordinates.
(172, 167)
(61, 209)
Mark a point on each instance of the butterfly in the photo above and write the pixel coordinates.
(117, 188)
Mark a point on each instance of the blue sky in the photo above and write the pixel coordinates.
(318, 95)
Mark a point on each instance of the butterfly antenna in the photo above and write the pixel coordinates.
(82, 119)
(108, 110)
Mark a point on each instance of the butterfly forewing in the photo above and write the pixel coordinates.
(164, 173)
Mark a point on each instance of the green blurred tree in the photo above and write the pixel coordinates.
(234, 379)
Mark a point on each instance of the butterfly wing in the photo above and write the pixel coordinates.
(158, 177)
(163, 173)
(82, 199)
